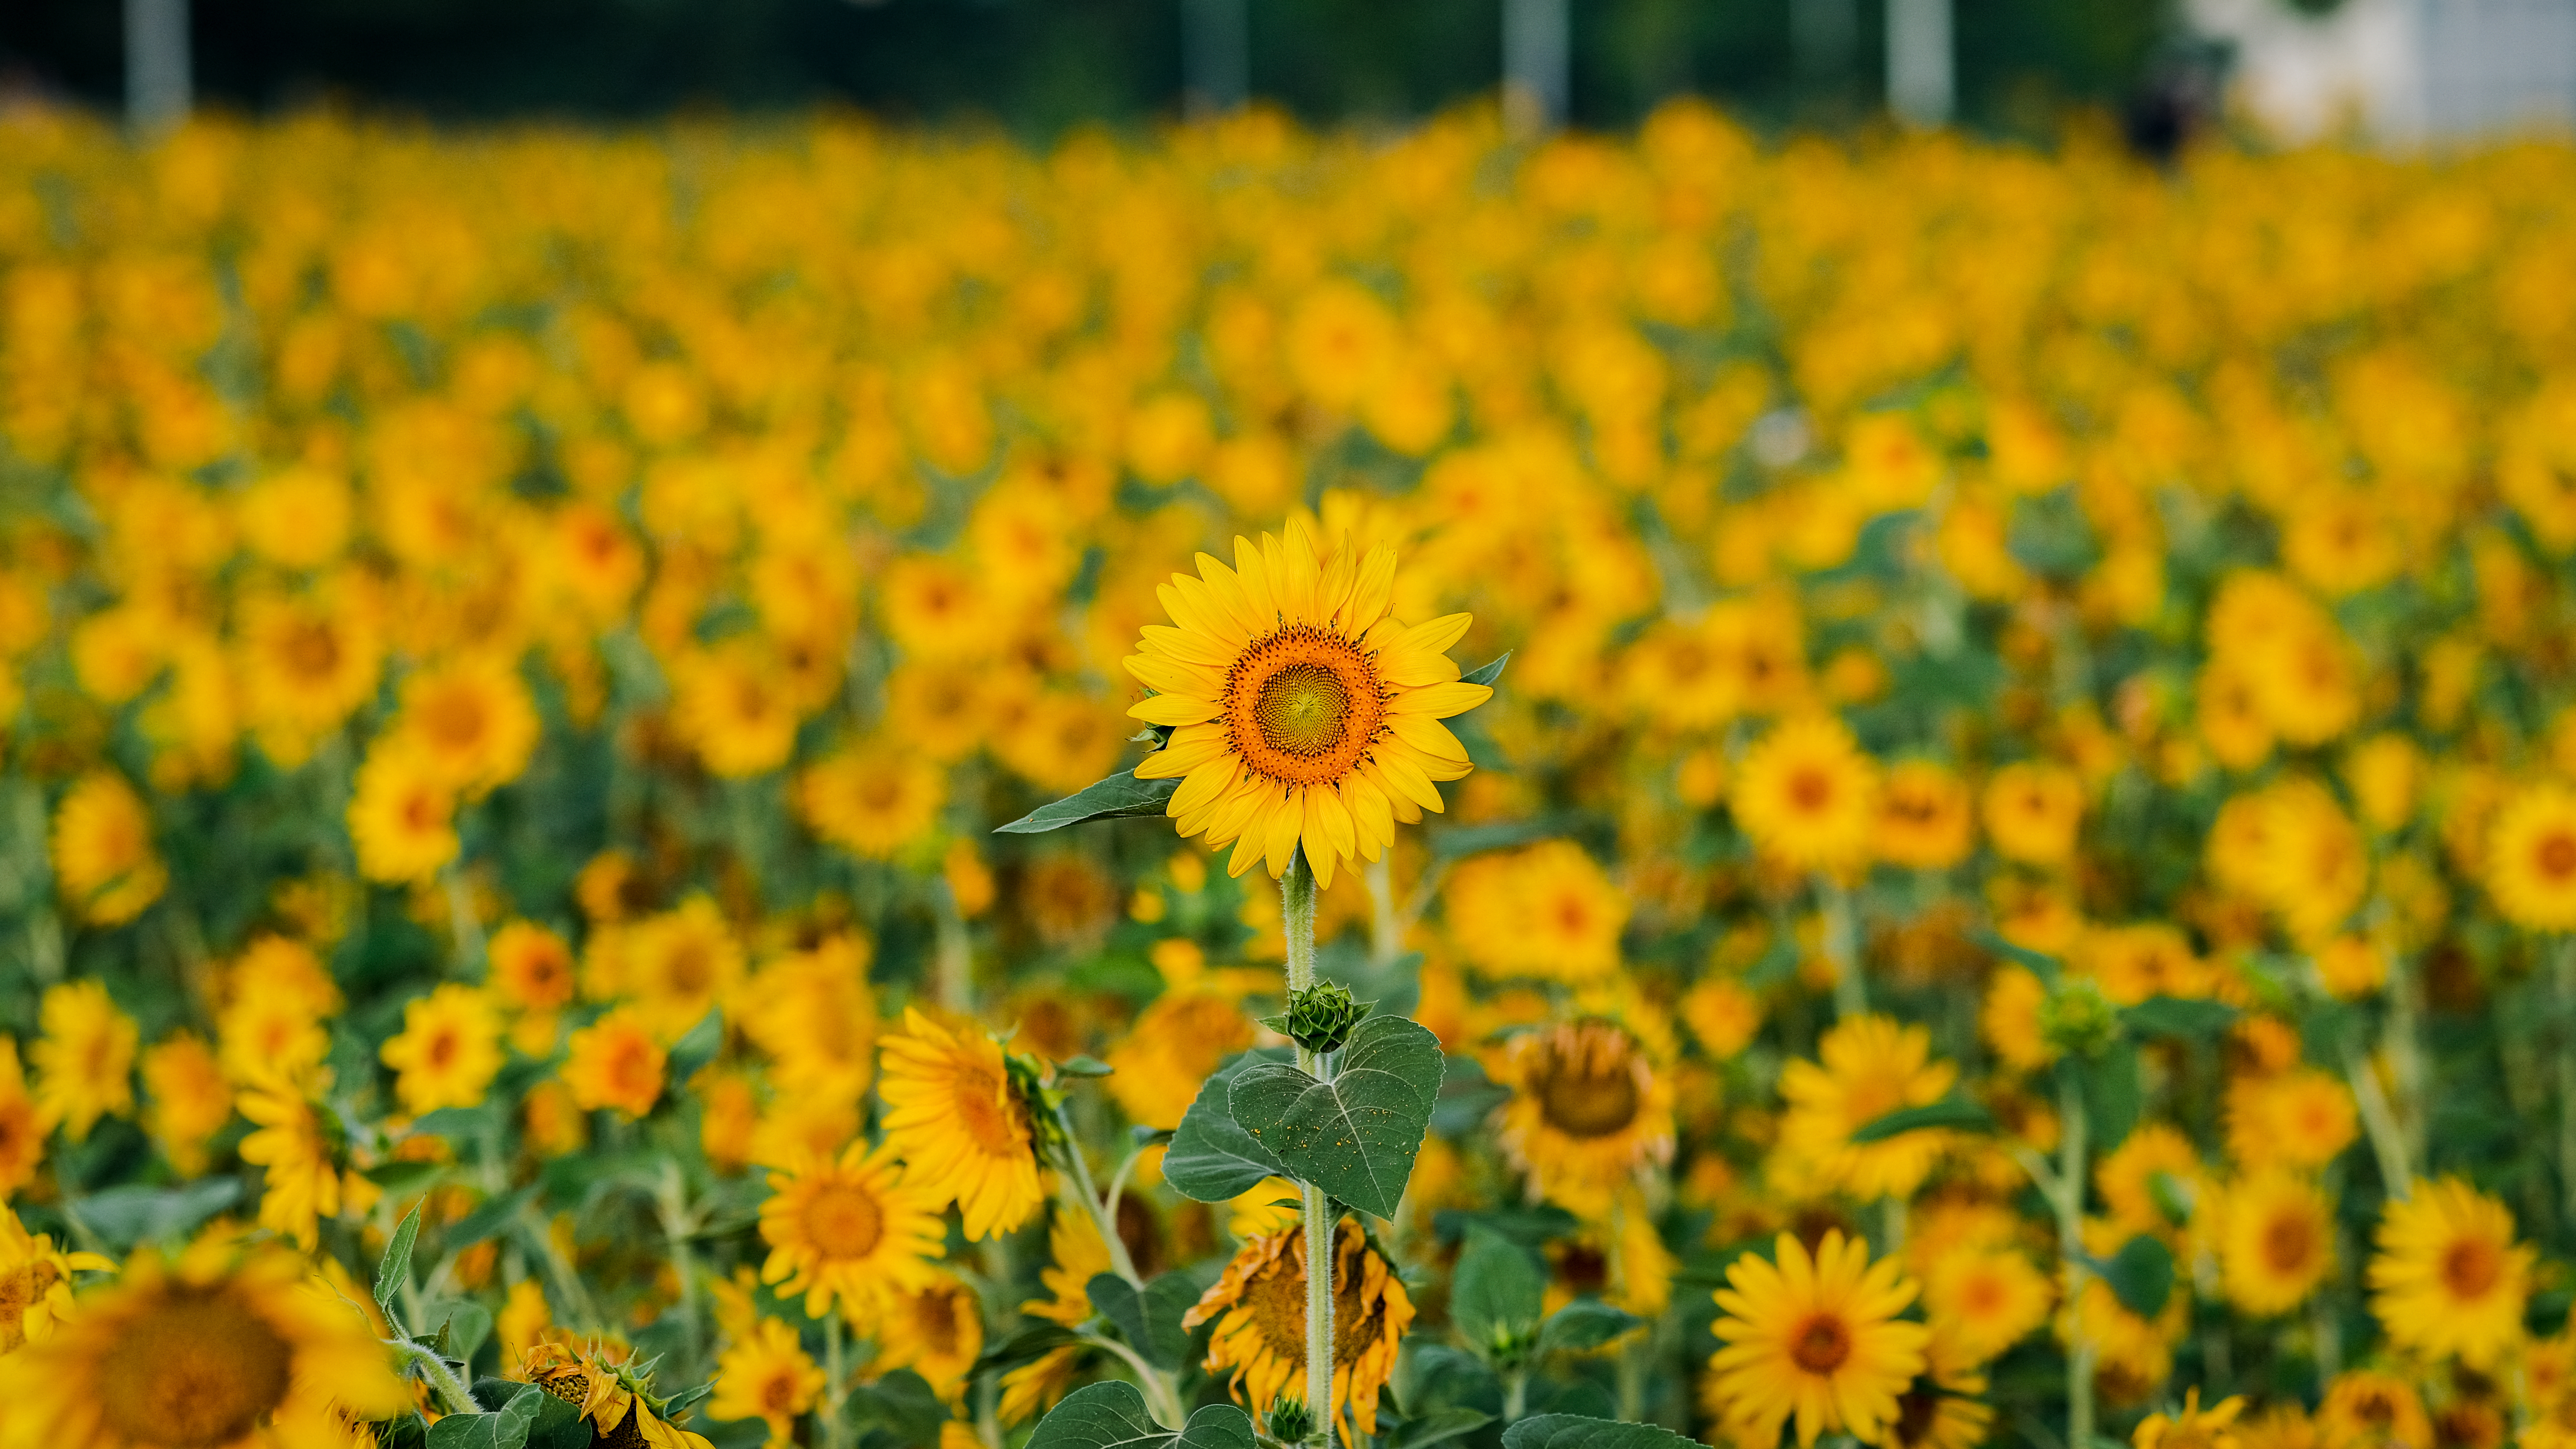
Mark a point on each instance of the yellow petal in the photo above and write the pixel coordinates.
(1173, 709)
(1439, 701)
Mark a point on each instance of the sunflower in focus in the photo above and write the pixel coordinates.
(36, 1283)
(1259, 1308)
(849, 1229)
(2277, 1244)
(614, 1395)
(224, 1347)
(1871, 1066)
(2449, 1278)
(2531, 859)
(1809, 796)
(1587, 1114)
(1816, 1339)
(1302, 713)
(959, 1112)
(104, 862)
(767, 1375)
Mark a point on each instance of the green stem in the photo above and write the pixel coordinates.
(2563, 979)
(441, 1382)
(1297, 920)
(2405, 1045)
(953, 962)
(2069, 1183)
(1842, 948)
(1078, 1173)
(1516, 1396)
(836, 1384)
(676, 1228)
(464, 924)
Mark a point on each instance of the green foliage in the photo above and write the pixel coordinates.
(1212, 1159)
(1150, 1318)
(1115, 798)
(1576, 1431)
(1495, 1296)
(1112, 1416)
(1356, 1135)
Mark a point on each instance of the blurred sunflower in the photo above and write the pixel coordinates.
(2531, 859)
(473, 721)
(1302, 713)
(766, 1375)
(616, 1062)
(1809, 796)
(402, 815)
(2193, 1427)
(2367, 1409)
(959, 1112)
(2278, 1242)
(1816, 1339)
(36, 1283)
(849, 1229)
(1871, 1066)
(85, 1059)
(103, 857)
(1259, 1309)
(614, 1396)
(935, 1330)
(299, 1141)
(1984, 1301)
(1588, 1112)
(871, 801)
(448, 1050)
(189, 1101)
(2448, 1278)
(1925, 820)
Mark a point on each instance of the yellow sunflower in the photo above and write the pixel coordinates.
(872, 800)
(2364, 1409)
(679, 964)
(1815, 1338)
(190, 1101)
(22, 1124)
(1174, 1046)
(1984, 1300)
(2277, 1244)
(295, 1143)
(849, 1228)
(2449, 1278)
(1588, 1112)
(1549, 912)
(85, 1060)
(223, 1348)
(36, 1283)
(473, 721)
(402, 815)
(1809, 796)
(104, 862)
(2531, 858)
(935, 1330)
(961, 1118)
(2032, 809)
(2193, 1428)
(448, 1050)
(1945, 1407)
(616, 1397)
(615, 1062)
(1871, 1066)
(1259, 1308)
(767, 1375)
(1924, 817)
(1302, 713)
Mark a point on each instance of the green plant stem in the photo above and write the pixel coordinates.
(2563, 980)
(836, 1382)
(2403, 1037)
(1078, 1182)
(1842, 948)
(954, 960)
(1516, 1396)
(463, 923)
(673, 1200)
(2387, 1139)
(2069, 1184)
(441, 1381)
(1297, 921)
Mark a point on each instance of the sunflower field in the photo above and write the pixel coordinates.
(786, 780)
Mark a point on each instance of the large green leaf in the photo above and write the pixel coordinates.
(1575, 1431)
(2178, 1016)
(2141, 1274)
(1955, 1112)
(1211, 1158)
(1112, 1416)
(505, 1428)
(1150, 1317)
(1437, 1426)
(1354, 1136)
(1497, 1295)
(127, 1216)
(1119, 795)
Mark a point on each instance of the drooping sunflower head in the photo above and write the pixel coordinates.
(1588, 1110)
(221, 1348)
(962, 1113)
(614, 1394)
(1259, 1308)
(1301, 713)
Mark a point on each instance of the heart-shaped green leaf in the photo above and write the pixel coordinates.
(1150, 1318)
(1212, 1159)
(1112, 1416)
(1575, 1431)
(1354, 1136)
(1497, 1295)
(2141, 1274)
(506, 1428)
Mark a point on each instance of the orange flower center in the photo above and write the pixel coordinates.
(1822, 1344)
(843, 1220)
(1587, 1080)
(1811, 790)
(2289, 1243)
(2556, 856)
(2471, 1266)
(1303, 705)
(194, 1368)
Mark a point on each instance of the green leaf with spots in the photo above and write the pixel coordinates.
(1112, 1416)
(1356, 1135)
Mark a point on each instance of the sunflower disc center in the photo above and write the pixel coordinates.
(844, 1222)
(1303, 710)
(194, 1369)
(1821, 1344)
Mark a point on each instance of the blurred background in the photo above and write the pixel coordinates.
(2399, 69)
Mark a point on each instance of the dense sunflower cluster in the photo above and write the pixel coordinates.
(2018, 884)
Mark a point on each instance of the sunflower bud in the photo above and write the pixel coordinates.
(2078, 1019)
(1320, 1017)
(1289, 1421)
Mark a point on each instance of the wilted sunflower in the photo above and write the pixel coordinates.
(616, 1398)
(36, 1283)
(222, 1348)
(2449, 1278)
(849, 1228)
(1588, 1111)
(767, 1375)
(960, 1116)
(2278, 1242)
(1815, 1338)
(1302, 713)
(1872, 1066)
(1259, 1308)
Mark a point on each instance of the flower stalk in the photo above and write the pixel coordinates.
(1297, 921)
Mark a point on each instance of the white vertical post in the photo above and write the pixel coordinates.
(1538, 57)
(1216, 56)
(1921, 79)
(1824, 38)
(157, 83)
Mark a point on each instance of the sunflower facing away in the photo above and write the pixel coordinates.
(1588, 1112)
(849, 1228)
(2448, 1278)
(617, 1398)
(218, 1349)
(1302, 713)
(1259, 1307)
(1815, 1338)
(960, 1119)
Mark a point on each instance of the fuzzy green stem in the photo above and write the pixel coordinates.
(1842, 948)
(2404, 1042)
(1297, 921)
(1516, 1396)
(836, 1381)
(2387, 1138)
(2069, 1183)
(1078, 1182)
(451, 1393)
